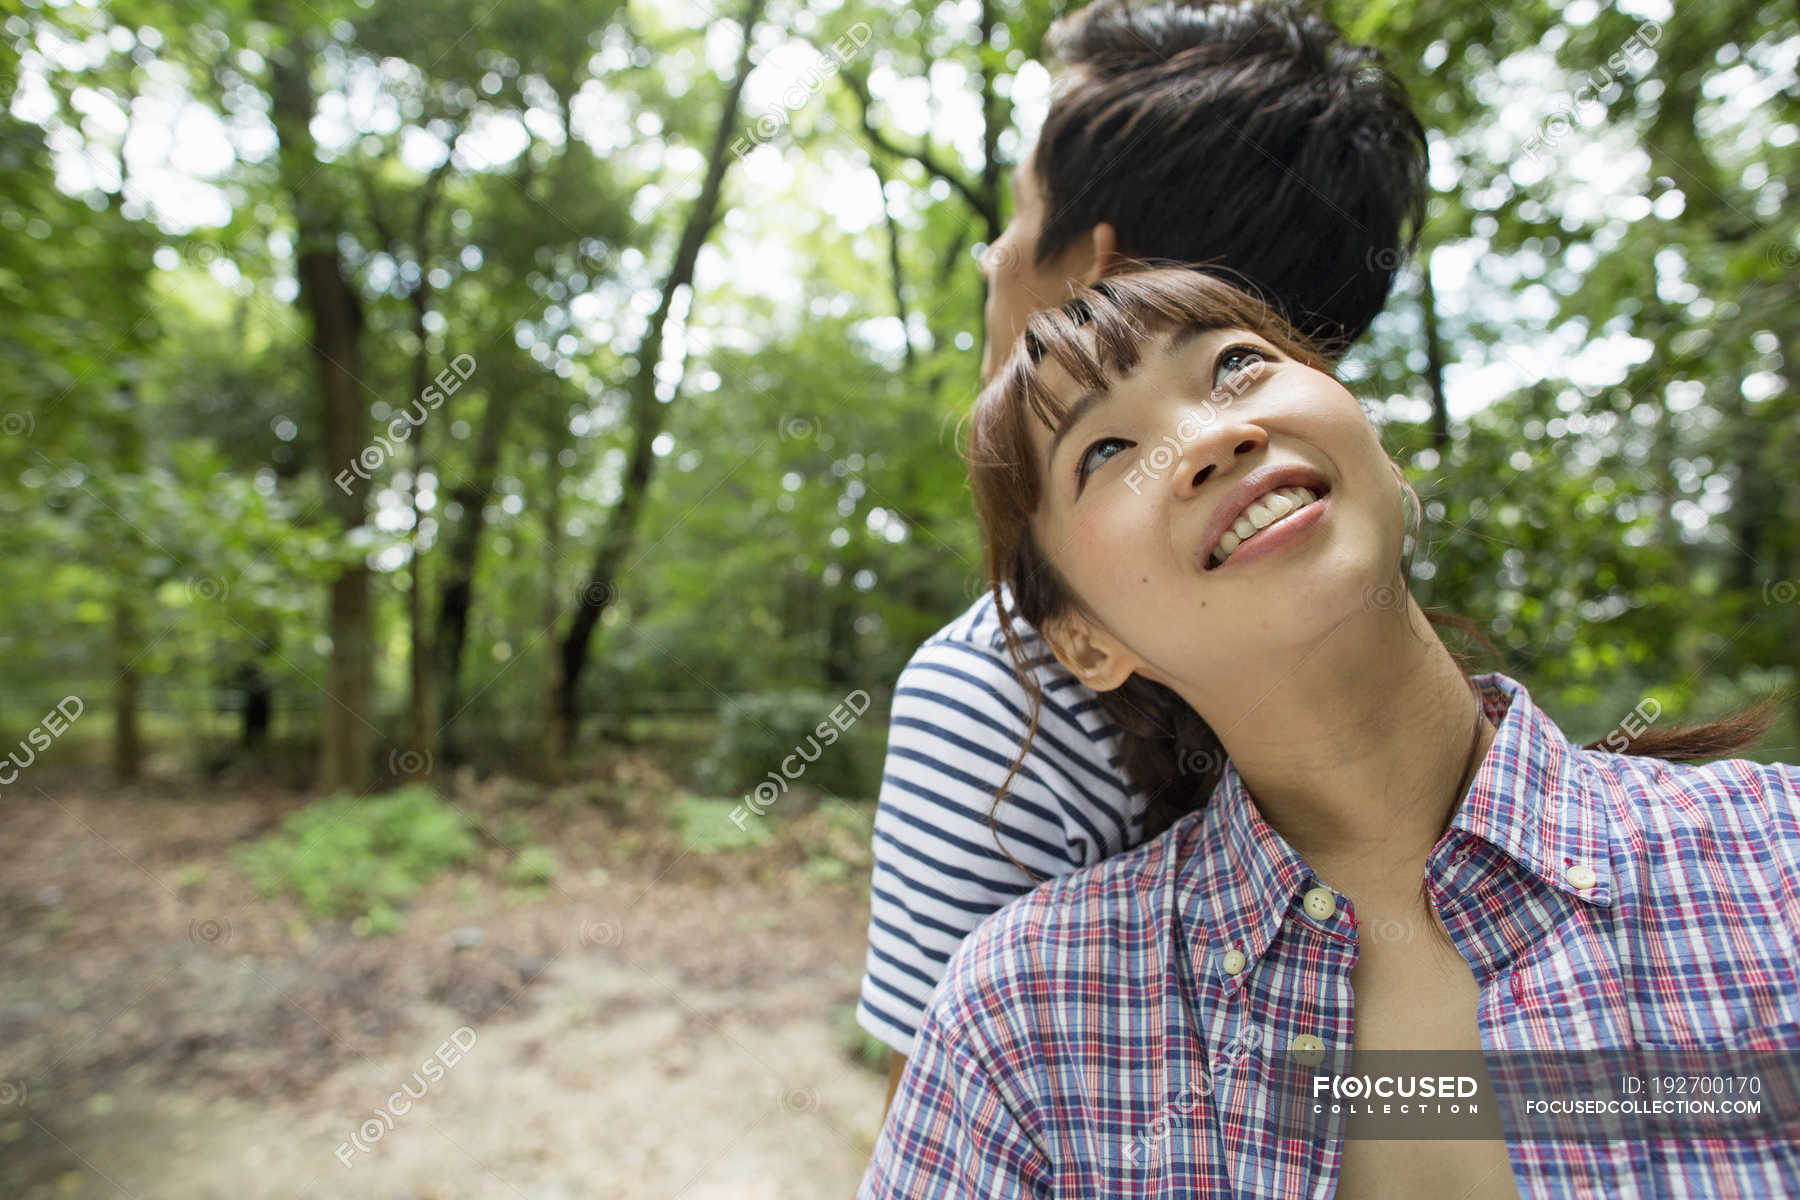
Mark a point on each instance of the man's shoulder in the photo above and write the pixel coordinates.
(980, 626)
(968, 660)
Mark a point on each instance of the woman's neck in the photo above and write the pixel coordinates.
(1355, 754)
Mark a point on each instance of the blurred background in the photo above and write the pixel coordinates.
(451, 454)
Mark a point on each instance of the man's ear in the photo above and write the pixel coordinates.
(1103, 244)
(1089, 655)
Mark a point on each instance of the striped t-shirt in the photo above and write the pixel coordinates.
(958, 719)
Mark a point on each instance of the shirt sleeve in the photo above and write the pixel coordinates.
(957, 722)
(950, 1133)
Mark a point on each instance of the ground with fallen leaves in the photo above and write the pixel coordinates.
(661, 1020)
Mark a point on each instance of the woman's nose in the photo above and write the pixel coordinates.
(1212, 451)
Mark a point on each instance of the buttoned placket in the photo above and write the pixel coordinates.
(1332, 919)
(1463, 888)
(1298, 1029)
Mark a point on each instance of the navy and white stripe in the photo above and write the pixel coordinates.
(958, 718)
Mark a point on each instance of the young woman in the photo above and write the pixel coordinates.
(1302, 151)
(1379, 851)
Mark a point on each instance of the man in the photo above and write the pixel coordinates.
(1246, 136)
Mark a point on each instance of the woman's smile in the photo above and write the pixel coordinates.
(1257, 506)
(1282, 518)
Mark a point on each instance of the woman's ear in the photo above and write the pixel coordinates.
(1406, 489)
(1089, 655)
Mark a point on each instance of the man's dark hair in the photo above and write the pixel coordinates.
(1246, 135)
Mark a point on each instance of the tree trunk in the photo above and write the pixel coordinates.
(127, 747)
(840, 637)
(647, 413)
(258, 702)
(421, 717)
(556, 439)
(422, 708)
(895, 277)
(993, 123)
(334, 319)
(1434, 360)
(456, 594)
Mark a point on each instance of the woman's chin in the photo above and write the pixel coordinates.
(1340, 596)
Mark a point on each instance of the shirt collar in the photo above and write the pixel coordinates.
(1536, 799)
(1531, 797)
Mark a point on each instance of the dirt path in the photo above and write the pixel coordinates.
(666, 1025)
(622, 1084)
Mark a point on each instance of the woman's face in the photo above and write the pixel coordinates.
(1143, 492)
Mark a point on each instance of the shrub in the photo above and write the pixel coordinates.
(512, 830)
(706, 826)
(535, 866)
(360, 858)
(758, 731)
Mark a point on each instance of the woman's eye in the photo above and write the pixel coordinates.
(1089, 463)
(1236, 361)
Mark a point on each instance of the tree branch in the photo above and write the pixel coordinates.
(986, 203)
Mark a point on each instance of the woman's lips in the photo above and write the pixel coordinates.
(1237, 499)
(1282, 534)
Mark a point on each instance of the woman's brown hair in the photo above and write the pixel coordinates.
(1167, 750)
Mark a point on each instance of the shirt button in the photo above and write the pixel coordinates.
(1307, 1050)
(1581, 876)
(1233, 962)
(1320, 904)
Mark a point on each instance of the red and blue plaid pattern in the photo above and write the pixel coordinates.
(1089, 1041)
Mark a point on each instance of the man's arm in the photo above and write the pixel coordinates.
(957, 723)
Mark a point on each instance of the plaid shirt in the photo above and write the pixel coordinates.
(1601, 900)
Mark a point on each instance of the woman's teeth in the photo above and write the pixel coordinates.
(1264, 512)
